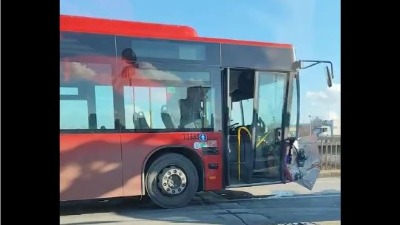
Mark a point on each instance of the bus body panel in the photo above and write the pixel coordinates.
(119, 27)
(136, 148)
(90, 166)
(147, 30)
(93, 166)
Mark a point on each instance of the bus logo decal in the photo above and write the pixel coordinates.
(202, 137)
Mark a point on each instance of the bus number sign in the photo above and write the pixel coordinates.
(190, 137)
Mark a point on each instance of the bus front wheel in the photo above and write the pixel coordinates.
(172, 181)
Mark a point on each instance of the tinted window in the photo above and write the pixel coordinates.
(153, 50)
(293, 132)
(87, 63)
(271, 98)
(256, 57)
(169, 97)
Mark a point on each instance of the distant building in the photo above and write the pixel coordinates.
(336, 127)
(330, 127)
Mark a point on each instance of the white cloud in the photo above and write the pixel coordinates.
(324, 104)
(328, 96)
(316, 95)
(76, 69)
(149, 71)
(81, 70)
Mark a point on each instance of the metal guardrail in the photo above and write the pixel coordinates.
(330, 149)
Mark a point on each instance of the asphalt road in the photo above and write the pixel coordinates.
(228, 207)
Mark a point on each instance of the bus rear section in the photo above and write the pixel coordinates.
(168, 113)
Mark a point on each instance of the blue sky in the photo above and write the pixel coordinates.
(312, 26)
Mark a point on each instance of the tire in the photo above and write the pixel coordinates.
(156, 178)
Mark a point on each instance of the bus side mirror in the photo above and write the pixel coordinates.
(328, 76)
(329, 73)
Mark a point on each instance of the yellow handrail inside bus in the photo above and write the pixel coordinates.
(238, 150)
(262, 138)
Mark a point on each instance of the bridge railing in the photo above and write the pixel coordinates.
(330, 151)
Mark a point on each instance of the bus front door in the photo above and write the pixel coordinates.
(270, 142)
(255, 102)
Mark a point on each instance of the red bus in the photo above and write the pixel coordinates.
(154, 109)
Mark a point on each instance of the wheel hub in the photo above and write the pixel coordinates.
(172, 180)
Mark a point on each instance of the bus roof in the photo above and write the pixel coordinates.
(147, 30)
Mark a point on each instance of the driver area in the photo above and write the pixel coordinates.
(248, 163)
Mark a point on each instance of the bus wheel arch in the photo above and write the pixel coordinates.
(178, 164)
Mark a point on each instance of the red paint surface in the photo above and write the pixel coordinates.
(90, 166)
(111, 165)
(146, 30)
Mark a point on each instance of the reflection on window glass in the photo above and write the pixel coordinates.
(173, 102)
(173, 76)
(89, 83)
(248, 111)
(293, 112)
(104, 107)
(190, 52)
(142, 105)
(236, 112)
(209, 113)
(271, 95)
(68, 91)
(169, 100)
(158, 99)
(94, 98)
(74, 114)
(86, 93)
(129, 109)
(269, 124)
(169, 50)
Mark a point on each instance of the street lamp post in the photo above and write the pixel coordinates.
(310, 124)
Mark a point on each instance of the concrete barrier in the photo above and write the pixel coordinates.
(330, 151)
(329, 173)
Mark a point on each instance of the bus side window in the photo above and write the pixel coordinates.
(86, 91)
